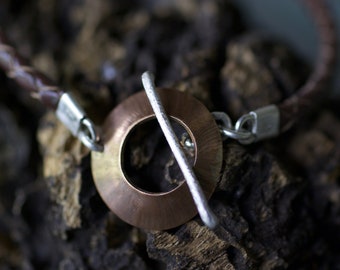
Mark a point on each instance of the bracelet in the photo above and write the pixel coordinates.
(203, 131)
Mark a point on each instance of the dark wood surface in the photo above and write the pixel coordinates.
(278, 202)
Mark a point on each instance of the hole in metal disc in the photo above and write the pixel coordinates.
(147, 160)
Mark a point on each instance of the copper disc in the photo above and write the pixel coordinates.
(156, 211)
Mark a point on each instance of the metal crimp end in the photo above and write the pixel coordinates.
(74, 118)
(266, 122)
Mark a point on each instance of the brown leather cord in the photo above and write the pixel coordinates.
(291, 109)
(27, 77)
(313, 90)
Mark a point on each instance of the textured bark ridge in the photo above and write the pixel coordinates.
(278, 202)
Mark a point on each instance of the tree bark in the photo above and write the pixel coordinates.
(278, 202)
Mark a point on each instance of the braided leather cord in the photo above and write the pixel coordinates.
(291, 109)
(313, 90)
(27, 77)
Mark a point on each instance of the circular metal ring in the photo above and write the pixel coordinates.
(156, 211)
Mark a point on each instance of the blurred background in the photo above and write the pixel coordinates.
(270, 17)
(52, 217)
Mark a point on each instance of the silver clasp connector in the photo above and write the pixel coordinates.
(255, 126)
(74, 118)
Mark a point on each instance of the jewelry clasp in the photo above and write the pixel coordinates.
(255, 126)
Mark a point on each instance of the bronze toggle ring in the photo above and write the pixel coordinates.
(156, 210)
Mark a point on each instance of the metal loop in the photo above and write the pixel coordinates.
(243, 120)
(223, 118)
(239, 132)
(240, 128)
(88, 135)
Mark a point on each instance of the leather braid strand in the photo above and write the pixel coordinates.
(27, 77)
(291, 109)
(312, 91)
